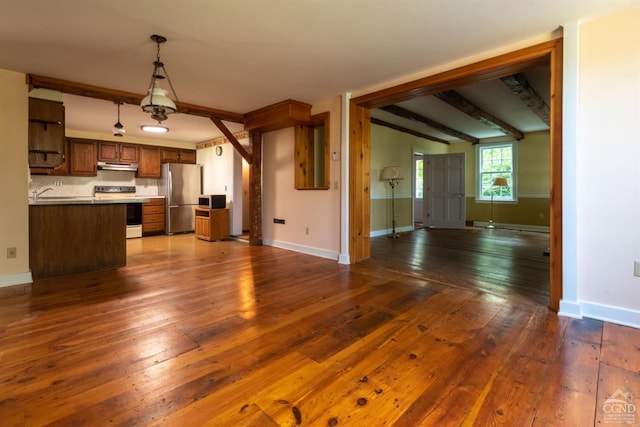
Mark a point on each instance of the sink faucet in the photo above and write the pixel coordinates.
(37, 193)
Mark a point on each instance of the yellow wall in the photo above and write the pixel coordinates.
(393, 148)
(532, 207)
(14, 209)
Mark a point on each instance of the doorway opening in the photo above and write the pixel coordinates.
(549, 53)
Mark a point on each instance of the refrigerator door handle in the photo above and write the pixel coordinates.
(170, 185)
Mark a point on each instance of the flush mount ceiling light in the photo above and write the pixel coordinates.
(157, 103)
(155, 128)
(118, 129)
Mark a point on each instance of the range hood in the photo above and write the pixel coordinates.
(115, 166)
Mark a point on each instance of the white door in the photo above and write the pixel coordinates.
(418, 205)
(444, 190)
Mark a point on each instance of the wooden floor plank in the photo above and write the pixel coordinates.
(222, 333)
(564, 401)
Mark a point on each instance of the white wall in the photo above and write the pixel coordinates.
(223, 175)
(317, 211)
(608, 168)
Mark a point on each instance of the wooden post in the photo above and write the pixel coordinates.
(255, 189)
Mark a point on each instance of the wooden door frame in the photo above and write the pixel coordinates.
(548, 53)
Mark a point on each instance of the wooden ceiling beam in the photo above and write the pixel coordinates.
(461, 103)
(90, 91)
(409, 131)
(407, 114)
(519, 85)
(232, 139)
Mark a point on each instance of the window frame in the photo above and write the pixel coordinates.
(513, 174)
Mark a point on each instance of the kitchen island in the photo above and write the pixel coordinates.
(75, 235)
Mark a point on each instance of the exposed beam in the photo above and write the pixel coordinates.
(461, 103)
(232, 139)
(407, 114)
(255, 189)
(519, 85)
(409, 131)
(97, 92)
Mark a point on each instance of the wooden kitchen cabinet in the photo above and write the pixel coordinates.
(153, 216)
(149, 162)
(117, 152)
(177, 155)
(211, 224)
(82, 157)
(46, 134)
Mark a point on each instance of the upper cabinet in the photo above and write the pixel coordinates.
(149, 163)
(82, 157)
(177, 155)
(46, 133)
(117, 152)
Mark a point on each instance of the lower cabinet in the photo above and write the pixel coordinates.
(212, 224)
(153, 217)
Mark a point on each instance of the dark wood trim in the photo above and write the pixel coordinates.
(488, 69)
(510, 63)
(255, 189)
(409, 131)
(359, 182)
(90, 91)
(281, 115)
(232, 139)
(555, 192)
(407, 114)
(461, 103)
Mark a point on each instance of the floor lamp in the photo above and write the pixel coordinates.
(498, 182)
(392, 174)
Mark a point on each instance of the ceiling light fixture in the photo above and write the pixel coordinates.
(157, 103)
(155, 128)
(118, 129)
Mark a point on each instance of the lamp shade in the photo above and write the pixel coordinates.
(391, 172)
(500, 182)
(157, 100)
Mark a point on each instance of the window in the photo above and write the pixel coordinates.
(496, 161)
(419, 179)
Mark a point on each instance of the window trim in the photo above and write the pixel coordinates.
(514, 172)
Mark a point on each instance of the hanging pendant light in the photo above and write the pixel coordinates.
(118, 129)
(157, 103)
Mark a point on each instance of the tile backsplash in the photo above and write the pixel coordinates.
(77, 186)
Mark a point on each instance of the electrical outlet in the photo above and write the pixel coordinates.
(58, 183)
(12, 252)
(636, 268)
(306, 230)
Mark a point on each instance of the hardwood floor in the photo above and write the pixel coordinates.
(507, 262)
(196, 333)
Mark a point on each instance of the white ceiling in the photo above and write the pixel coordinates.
(240, 55)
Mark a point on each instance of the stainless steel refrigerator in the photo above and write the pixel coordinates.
(181, 184)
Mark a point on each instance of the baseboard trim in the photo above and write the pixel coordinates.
(378, 233)
(608, 313)
(322, 253)
(518, 227)
(344, 259)
(15, 279)
(570, 309)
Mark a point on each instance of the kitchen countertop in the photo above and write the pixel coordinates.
(88, 200)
